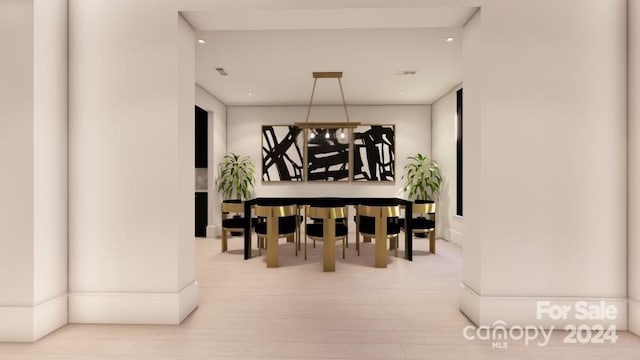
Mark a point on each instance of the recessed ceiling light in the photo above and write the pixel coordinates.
(249, 93)
(401, 92)
(202, 41)
(449, 39)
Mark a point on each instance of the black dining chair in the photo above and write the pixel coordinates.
(423, 221)
(235, 223)
(329, 226)
(378, 222)
(281, 221)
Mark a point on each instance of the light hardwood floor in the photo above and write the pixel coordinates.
(406, 311)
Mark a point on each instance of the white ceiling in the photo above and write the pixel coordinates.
(276, 65)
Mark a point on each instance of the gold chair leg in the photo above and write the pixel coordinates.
(381, 242)
(250, 247)
(272, 242)
(224, 240)
(329, 248)
(432, 242)
(397, 244)
(295, 237)
(358, 235)
(259, 241)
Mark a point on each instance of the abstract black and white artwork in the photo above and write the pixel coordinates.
(374, 153)
(328, 155)
(281, 153)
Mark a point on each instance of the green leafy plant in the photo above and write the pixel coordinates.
(423, 178)
(235, 177)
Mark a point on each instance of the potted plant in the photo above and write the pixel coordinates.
(235, 179)
(423, 180)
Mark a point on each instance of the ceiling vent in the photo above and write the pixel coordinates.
(221, 71)
(407, 72)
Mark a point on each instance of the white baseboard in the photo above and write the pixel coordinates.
(455, 237)
(213, 231)
(30, 323)
(188, 300)
(522, 311)
(133, 308)
(470, 304)
(634, 316)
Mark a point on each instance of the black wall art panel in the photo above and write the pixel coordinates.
(328, 155)
(374, 153)
(281, 153)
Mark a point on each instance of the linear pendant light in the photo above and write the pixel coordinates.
(326, 125)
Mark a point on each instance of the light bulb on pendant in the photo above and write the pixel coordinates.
(343, 137)
(312, 135)
(326, 135)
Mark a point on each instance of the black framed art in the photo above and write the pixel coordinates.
(282, 153)
(374, 153)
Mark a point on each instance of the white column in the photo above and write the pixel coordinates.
(131, 163)
(472, 60)
(33, 156)
(634, 165)
(549, 151)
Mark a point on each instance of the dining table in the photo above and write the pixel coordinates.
(319, 201)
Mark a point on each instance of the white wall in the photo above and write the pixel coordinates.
(548, 157)
(413, 135)
(444, 119)
(217, 150)
(33, 150)
(634, 166)
(131, 163)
